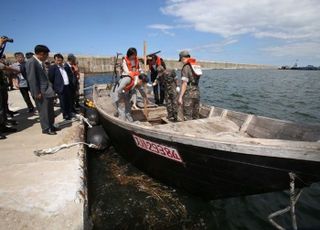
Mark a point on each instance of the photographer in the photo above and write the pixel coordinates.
(4, 89)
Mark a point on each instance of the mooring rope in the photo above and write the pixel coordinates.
(78, 117)
(294, 197)
(53, 150)
(84, 119)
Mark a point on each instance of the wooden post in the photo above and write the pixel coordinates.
(145, 110)
(145, 56)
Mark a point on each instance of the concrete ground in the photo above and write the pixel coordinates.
(44, 192)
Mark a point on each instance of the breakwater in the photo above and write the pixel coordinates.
(105, 64)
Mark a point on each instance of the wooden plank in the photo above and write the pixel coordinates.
(237, 117)
(224, 113)
(211, 111)
(245, 125)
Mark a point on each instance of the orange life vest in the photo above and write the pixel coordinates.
(130, 85)
(132, 73)
(196, 68)
(158, 63)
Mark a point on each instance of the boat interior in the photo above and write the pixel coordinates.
(215, 122)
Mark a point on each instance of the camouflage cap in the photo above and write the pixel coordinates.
(184, 53)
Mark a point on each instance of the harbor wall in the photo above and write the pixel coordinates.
(104, 64)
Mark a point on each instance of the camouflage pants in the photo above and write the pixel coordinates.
(191, 108)
(172, 105)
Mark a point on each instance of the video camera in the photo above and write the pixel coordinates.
(7, 39)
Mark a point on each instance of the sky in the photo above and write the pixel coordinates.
(247, 31)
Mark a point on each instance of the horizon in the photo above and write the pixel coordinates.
(277, 36)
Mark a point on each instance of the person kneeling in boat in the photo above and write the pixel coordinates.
(170, 82)
(131, 80)
(131, 67)
(122, 93)
(190, 94)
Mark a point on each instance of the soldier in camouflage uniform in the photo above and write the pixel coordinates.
(3, 100)
(3, 86)
(190, 94)
(169, 80)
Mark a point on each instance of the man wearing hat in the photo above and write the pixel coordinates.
(169, 78)
(189, 96)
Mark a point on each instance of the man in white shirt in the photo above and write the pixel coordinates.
(62, 85)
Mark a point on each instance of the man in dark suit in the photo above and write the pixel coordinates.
(41, 88)
(62, 81)
(72, 69)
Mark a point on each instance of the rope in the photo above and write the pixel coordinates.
(82, 118)
(294, 197)
(53, 150)
(78, 117)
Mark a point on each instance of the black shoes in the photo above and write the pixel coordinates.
(31, 110)
(55, 129)
(49, 132)
(2, 137)
(8, 130)
(12, 122)
(67, 117)
(173, 119)
(12, 113)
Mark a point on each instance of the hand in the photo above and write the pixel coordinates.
(180, 101)
(39, 96)
(76, 68)
(134, 106)
(155, 83)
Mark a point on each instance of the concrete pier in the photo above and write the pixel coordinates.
(46, 192)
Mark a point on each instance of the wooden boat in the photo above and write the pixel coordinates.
(223, 154)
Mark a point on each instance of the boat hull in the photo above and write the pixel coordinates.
(209, 173)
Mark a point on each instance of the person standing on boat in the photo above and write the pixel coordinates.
(154, 62)
(170, 81)
(130, 80)
(190, 94)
